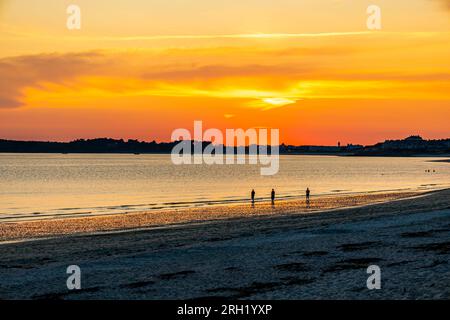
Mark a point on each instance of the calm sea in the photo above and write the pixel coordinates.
(40, 186)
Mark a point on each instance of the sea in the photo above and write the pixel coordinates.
(43, 186)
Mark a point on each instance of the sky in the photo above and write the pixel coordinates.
(139, 69)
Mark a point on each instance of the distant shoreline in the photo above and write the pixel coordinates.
(343, 154)
(409, 147)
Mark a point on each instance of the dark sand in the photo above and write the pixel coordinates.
(289, 256)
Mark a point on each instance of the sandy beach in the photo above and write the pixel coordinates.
(260, 256)
(56, 227)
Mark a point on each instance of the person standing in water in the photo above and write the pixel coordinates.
(308, 192)
(272, 196)
(253, 196)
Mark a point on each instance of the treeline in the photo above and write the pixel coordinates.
(102, 145)
(407, 147)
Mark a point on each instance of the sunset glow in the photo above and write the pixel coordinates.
(318, 75)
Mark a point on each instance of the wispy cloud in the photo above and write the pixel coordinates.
(267, 36)
(234, 36)
(444, 4)
(18, 73)
(265, 78)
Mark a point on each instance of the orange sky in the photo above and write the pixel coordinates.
(140, 69)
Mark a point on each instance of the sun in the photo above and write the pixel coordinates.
(278, 102)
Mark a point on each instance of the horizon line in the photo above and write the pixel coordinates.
(169, 142)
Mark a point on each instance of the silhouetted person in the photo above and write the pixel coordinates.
(253, 196)
(308, 193)
(272, 196)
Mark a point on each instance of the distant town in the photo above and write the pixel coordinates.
(411, 146)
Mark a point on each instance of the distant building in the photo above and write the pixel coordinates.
(409, 146)
(353, 147)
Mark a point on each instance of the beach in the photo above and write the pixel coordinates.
(224, 150)
(285, 252)
(56, 227)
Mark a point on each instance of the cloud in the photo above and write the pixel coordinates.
(445, 3)
(219, 71)
(262, 77)
(142, 72)
(235, 36)
(19, 73)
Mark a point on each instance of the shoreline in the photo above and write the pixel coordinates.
(336, 154)
(186, 205)
(202, 223)
(18, 231)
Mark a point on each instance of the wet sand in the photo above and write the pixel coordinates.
(84, 225)
(284, 256)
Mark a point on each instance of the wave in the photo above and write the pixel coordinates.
(63, 213)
